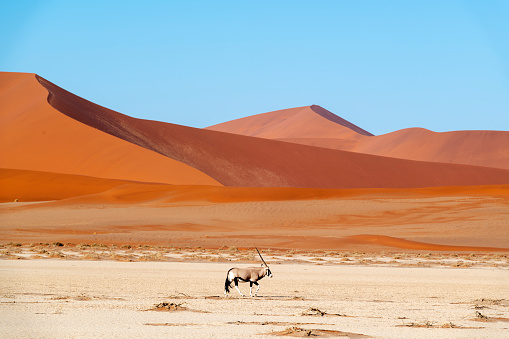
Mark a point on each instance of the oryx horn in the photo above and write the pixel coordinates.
(261, 257)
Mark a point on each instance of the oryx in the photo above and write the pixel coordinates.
(251, 274)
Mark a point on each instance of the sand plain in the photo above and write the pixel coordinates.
(434, 219)
(107, 299)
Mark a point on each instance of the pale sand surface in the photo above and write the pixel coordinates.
(106, 299)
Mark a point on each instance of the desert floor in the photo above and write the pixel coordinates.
(436, 219)
(330, 294)
(406, 263)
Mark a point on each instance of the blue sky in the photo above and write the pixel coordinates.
(383, 65)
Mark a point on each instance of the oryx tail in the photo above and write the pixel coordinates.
(227, 282)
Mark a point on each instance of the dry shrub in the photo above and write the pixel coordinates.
(293, 329)
(461, 264)
(15, 257)
(91, 256)
(427, 324)
(169, 307)
(481, 316)
(114, 256)
(313, 311)
(56, 254)
(449, 325)
(99, 245)
(487, 301)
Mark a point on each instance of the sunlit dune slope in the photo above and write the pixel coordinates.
(481, 148)
(257, 194)
(385, 241)
(304, 125)
(303, 122)
(23, 185)
(236, 160)
(133, 192)
(35, 136)
(43, 186)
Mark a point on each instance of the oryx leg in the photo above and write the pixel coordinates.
(237, 287)
(251, 288)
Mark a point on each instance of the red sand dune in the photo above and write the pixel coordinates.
(29, 186)
(26, 185)
(382, 240)
(35, 136)
(236, 160)
(303, 122)
(481, 148)
(118, 192)
(113, 211)
(305, 125)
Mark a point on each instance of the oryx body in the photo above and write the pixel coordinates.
(248, 274)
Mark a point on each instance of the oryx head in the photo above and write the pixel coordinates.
(268, 273)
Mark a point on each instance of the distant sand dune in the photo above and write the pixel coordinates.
(305, 125)
(44, 186)
(382, 240)
(304, 122)
(35, 136)
(236, 160)
(23, 185)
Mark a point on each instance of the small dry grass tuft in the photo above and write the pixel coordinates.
(169, 307)
(313, 311)
(56, 254)
(449, 325)
(486, 302)
(429, 324)
(91, 256)
(481, 316)
(295, 331)
(426, 324)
